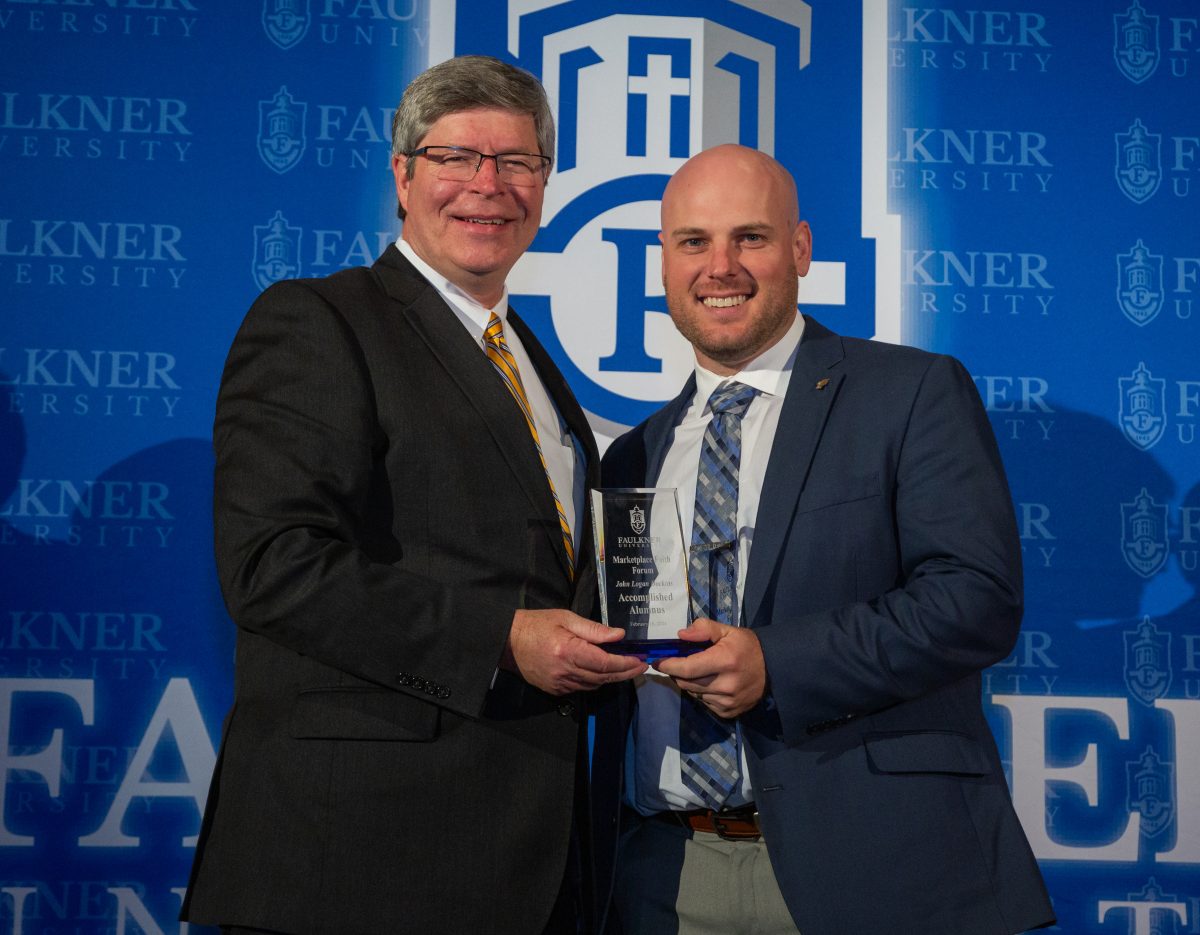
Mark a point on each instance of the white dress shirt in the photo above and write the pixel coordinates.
(652, 777)
(564, 456)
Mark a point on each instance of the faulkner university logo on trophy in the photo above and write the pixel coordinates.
(642, 561)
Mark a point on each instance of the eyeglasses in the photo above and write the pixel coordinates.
(456, 163)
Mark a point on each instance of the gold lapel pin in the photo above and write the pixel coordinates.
(822, 383)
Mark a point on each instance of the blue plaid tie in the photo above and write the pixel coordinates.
(708, 750)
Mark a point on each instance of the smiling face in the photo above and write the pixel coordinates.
(732, 249)
(472, 232)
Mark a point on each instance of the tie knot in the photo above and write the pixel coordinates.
(731, 399)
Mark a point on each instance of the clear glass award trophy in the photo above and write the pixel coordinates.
(641, 558)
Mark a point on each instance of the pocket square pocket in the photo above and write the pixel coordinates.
(834, 492)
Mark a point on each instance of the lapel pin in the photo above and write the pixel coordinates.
(822, 383)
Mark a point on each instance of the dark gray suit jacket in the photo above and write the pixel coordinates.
(885, 574)
(381, 513)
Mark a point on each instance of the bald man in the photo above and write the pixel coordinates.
(824, 766)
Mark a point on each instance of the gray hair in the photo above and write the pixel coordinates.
(466, 83)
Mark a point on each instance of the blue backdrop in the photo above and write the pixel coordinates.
(1017, 186)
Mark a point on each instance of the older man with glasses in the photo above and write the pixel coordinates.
(400, 529)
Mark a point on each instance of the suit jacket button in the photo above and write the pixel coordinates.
(566, 709)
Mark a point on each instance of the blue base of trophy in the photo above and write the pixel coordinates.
(654, 650)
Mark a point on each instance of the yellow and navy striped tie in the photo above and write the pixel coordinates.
(506, 365)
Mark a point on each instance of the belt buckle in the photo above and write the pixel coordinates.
(726, 834)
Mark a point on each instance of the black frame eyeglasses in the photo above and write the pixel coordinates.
(459, 164)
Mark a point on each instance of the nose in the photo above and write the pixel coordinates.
(722, 261)
(487, 180)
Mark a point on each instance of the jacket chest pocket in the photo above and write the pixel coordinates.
(829, 492)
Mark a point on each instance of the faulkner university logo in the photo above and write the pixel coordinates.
(281, 124)
(286, 21)
(1139, 162)
(637, 520)
(634, 95)
(1152, 911)
(1139, 284)
(276, 251)
(1144, 534)
(1143, 407)
(1147, 662)
(1135, 42)
(1151, 783)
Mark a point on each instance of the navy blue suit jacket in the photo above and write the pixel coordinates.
(885, 573)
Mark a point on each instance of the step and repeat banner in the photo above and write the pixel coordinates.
(1018, 186)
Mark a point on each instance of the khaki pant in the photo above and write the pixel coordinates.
(670, 879)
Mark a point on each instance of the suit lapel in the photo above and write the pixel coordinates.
(571, 413)
(811, 393)
(560, 394)
(468, 366)
(660, 429)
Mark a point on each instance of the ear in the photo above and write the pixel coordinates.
(802, 248)
(663, 253)
(403, 182)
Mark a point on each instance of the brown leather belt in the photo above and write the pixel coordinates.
(735, 824)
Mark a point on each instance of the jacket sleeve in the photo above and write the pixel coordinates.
(955, 602)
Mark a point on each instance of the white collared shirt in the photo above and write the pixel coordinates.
(652, 776)
(564, 457)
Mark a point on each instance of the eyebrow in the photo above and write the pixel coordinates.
(754, 227)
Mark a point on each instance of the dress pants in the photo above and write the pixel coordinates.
(671, 879)
(563, 919)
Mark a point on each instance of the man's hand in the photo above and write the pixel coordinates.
(558, 652)
(730, 677)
